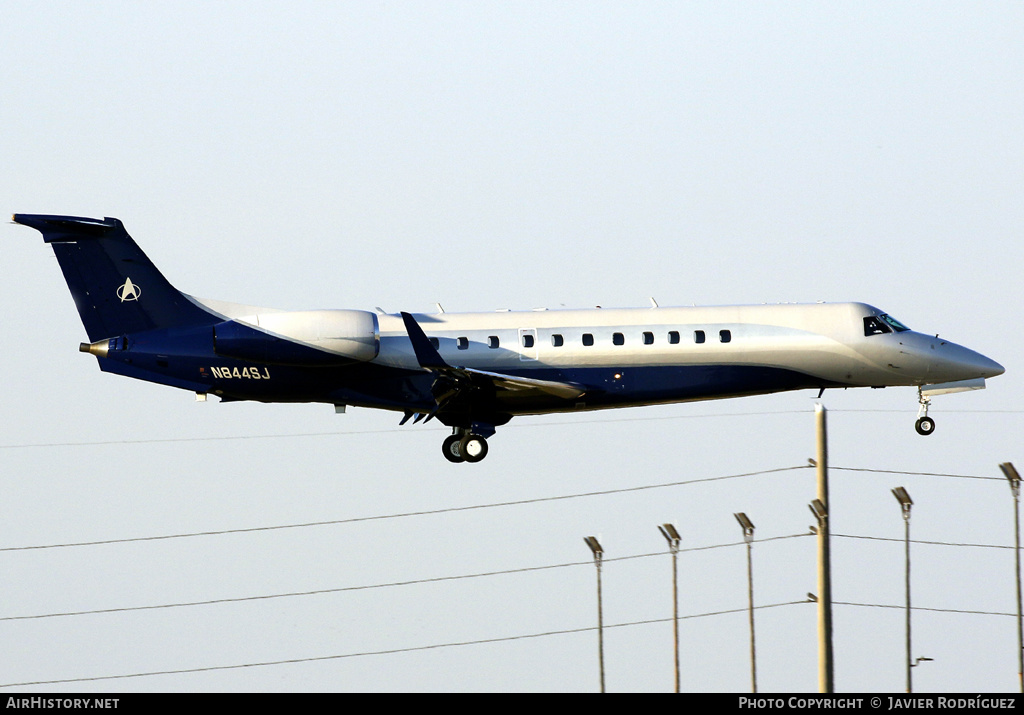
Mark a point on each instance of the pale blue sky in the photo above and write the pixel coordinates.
(508, 155)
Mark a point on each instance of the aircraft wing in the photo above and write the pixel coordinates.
(460, 379)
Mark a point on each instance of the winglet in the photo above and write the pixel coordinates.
(426, 354)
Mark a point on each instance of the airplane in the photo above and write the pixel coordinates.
(474, 372)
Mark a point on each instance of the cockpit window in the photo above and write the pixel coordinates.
(875, 326)
(894, 324)
(881, 324)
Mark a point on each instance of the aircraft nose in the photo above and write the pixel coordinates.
(989, 368)
(932, 360)
(956, 362)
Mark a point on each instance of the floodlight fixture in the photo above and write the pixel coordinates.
(904, 499)
(670, 534)
(1010, 472)
(747, 524)
(819, 510)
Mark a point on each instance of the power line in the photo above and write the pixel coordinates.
(343, 589)
(430, 512)
(438, 579)
(482, 641)
(392, 651)
(914, 474)
(317, 592)
(921, 607)
(919, 541)
(515, 425)
(474, 507)
(394, 430)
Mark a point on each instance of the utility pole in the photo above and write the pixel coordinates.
(820, 509)
(748, 536)
(1014, 478)
(598, 552)
(673, 539)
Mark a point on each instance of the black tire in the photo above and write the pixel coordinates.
(925, 426)
(473, 448)
(451, 449)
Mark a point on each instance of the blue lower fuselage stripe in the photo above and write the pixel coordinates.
(371, 385)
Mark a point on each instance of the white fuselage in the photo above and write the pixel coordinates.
(825, 340)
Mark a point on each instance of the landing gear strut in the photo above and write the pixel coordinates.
(464, 446)
(925, 425)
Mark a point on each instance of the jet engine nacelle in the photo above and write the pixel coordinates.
(312, 337)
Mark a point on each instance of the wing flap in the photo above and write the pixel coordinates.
(515, 383)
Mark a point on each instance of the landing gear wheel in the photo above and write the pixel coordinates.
(473, 447)
(925, 425)
(452, 450)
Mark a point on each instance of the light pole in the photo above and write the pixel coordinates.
(905, 503)
(826, 682)
(1014, 478)
(748, 536)
(673, 539)
(820, 507)
(598, 552)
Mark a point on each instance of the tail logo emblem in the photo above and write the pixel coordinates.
(129, 291)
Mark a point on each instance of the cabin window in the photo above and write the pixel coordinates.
(435, 342)
(618, 339)
(588, 339)
(648, 338)
(493, 342)
(556, 340)
(725, 335)
(462, 343)
(527, 340)
(673, 337)
(698, 336)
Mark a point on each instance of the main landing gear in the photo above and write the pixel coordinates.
(925, 425)
(464, 446)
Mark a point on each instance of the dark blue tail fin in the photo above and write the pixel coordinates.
(116, 287)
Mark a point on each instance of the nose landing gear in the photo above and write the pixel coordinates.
(925, 425)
